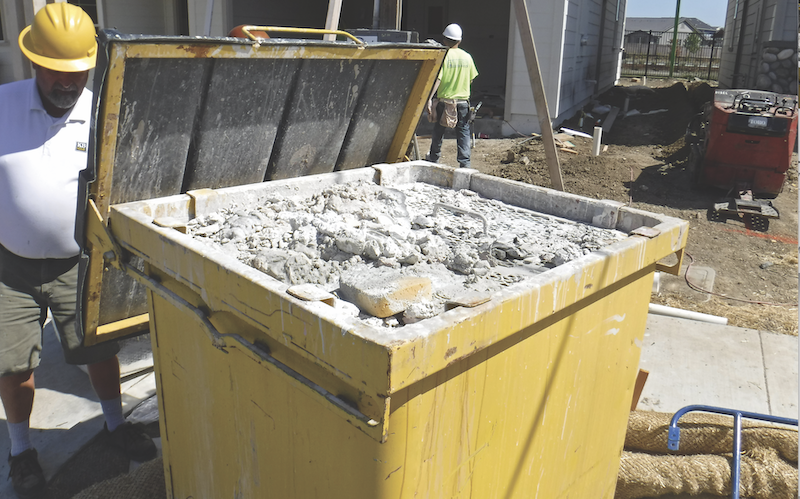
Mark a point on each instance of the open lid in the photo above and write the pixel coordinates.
(174, 114)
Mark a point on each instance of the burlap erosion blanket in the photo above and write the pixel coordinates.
(703, 463)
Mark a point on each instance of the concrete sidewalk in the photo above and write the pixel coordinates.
(694, 362)
(689, 363)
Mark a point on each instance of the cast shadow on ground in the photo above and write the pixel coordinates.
(92, 458)
(669, 183)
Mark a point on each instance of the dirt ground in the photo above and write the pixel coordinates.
(645, 166)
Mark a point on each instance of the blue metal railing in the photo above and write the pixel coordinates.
(673, 440)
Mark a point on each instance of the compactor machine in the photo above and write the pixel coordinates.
(743, 142)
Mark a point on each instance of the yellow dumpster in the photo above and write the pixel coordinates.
(267, 391)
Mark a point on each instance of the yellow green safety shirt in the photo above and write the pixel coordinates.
(458, 71)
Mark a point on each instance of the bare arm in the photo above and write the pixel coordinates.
(429, 105)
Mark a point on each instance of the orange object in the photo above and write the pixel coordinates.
(749, 140)
(238, 32)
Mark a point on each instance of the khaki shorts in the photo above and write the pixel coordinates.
(27, 289)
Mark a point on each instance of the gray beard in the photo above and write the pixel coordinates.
(64, 97)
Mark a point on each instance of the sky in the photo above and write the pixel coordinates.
(711, 12)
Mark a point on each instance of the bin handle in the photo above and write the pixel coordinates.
(218, 341)
(309, 31)
(217, 338)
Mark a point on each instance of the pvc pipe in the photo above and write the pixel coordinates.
(686, 314)
(575, 133)
(209, 16)
(598, 135)
(656, 282)
(332, 21)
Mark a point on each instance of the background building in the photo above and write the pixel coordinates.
(578, 42)
(760, 50)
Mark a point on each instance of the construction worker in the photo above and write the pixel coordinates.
(452, 89)
(44, 136)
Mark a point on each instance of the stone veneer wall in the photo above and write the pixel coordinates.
(778, 70)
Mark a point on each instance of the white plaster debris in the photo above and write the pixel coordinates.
(314, 239)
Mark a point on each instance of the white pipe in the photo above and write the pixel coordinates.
(209, 16)
(598, 135)
(376, 14)
(332, 21)
(687, 314)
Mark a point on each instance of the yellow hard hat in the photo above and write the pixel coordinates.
(61, 38)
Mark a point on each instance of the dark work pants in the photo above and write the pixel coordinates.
(462, 135)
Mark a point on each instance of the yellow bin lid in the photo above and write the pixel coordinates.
(180, 113)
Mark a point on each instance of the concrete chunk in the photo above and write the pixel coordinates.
(383, 292)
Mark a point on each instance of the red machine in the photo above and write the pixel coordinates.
(743, 142)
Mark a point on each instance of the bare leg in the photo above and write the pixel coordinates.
(17, 390)
(105, 378)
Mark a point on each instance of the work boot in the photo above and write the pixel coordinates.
(26, 474)
(133, 441)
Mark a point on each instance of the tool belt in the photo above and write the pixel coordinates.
(449, 117)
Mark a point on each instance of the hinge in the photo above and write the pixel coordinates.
(99, 236)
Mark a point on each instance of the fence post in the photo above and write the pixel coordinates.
(711, 59)
(674, 38)
(647, 59)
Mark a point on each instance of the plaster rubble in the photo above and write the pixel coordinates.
(315, 238)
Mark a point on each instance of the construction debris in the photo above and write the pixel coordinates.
(608, 122)
(381, 292)
(425, 245)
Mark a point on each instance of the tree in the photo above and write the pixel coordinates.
(692, 42)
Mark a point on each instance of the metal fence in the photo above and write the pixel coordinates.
(647, 53)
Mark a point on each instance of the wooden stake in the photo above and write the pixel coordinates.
(641, 378)
(535, 75)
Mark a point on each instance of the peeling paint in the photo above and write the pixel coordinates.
(198, 51)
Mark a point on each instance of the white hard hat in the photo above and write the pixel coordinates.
(453, 32)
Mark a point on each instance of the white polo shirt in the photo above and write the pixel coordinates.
(40, 158)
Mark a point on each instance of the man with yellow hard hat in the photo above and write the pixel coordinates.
(44, 137)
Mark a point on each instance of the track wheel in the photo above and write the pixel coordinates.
(713, 215)
(761, 224)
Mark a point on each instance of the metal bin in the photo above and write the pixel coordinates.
(264, 394)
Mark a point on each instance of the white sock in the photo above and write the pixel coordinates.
(20, 437)
(112, 411)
